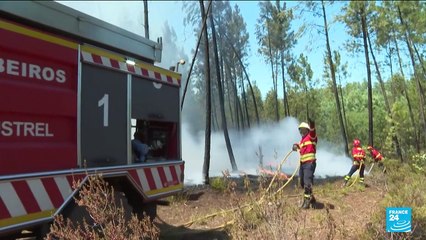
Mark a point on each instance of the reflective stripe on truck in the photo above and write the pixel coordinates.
(35, 198)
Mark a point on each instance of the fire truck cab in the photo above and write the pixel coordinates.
(73, 90)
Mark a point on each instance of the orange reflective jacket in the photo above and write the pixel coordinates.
(376, 155)
(308, 146)
(358, 154)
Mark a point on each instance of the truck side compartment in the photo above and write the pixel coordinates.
(70, 101)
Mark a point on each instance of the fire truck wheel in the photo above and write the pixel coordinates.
(121, 201)
(43, 230)
(77, 213)
(150, 209)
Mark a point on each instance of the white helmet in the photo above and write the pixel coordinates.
(304, 125)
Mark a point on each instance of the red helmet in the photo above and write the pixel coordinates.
(357, 142)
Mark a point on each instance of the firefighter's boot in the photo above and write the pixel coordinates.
(313, 202)
(361, 181)
(306, 201)
(346, 181)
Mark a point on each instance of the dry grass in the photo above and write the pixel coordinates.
(248, 208)
(109, 220)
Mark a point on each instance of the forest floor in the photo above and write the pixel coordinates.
(342, 212)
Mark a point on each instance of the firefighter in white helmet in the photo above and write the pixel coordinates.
(307, 151)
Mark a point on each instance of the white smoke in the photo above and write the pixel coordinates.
(275, 140)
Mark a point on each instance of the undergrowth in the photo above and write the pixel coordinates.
(265, 212)
(405, 187)
(278, 217)
(109, 219)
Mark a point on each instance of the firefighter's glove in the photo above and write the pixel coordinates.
(295, 147)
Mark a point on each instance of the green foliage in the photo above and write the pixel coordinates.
(405, 188)
(219, 183)
(418, 162)
(315, 96)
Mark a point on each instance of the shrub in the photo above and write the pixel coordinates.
(405, 188)
(109, 220)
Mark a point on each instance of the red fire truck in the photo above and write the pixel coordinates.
(73, 89)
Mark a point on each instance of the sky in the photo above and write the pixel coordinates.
(165, 15)
(275, 140)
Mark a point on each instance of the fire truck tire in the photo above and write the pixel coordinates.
(77, 213)
(121, 201)
(149, 209)
(43, 230)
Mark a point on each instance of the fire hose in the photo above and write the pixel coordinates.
(249, 205)
(357, 176)
(372, 165)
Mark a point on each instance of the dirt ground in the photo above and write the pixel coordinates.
(351, 210)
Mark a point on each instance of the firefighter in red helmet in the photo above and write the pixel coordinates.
(358, 155)
(307, 151)
(377, 157)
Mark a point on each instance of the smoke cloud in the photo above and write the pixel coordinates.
(275, 140)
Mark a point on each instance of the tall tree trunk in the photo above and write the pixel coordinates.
(245, 101)
(333, 78)
(390, 59)
(345, 120)
(277, 111)
(407, 97)
(236, 102)
(215, 122)
(418, 84)
(194, 57)
(285, 99)
(305, 89)
(274, 78)
(145, 14)
(247, 77)
(228, 93)
(385, 97)
(221, 100)
(207, 137)
(238, 107)
(369, 87)
(420, 60)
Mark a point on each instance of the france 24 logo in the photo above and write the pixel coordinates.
(398, 219)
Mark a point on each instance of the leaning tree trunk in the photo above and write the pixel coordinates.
(228, 75)
(248, 79)
(221, 100)
(244, 96)
(194, 57)
(369, 87)
(404, 86)
(333, 78)
(418, 84)
(207, 137)
(420, 59)
(385, 97)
